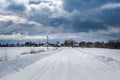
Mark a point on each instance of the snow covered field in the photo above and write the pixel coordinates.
(14, 52)
(64, 64)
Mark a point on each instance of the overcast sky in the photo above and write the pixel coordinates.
(89, 20)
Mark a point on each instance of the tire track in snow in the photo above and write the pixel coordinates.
(44, 67)
(85, 68)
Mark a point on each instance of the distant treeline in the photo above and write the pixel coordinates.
(112, 44)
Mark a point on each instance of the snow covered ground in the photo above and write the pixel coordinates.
(23, 61)
(113, 53)
(65, 64)
(14, 52)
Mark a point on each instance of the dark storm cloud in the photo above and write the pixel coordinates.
(110, 17)
(7, 23)
(34, 2)
(16, 7)
(87, 8)
(39, 1)
(86, 26)
(70, 5)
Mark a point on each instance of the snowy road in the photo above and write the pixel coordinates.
(68, 64)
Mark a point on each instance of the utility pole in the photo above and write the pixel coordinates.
(6, 57)
(47, 42)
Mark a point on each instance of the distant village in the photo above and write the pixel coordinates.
(112, 44)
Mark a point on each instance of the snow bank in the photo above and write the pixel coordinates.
(21, 62)
(14, 52)
(108, 56)
(113, 53)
